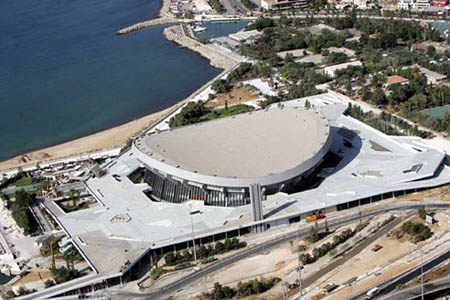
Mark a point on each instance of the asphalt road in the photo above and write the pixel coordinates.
(356, 250)
(415, 291)
(177, 286)
(406, 277)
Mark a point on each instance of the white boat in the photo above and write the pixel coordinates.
(199, 29)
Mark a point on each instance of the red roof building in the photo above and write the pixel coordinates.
(439, 3)
(395, 79)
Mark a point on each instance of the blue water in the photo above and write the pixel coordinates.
(4, 278)
(65, 74)
(220, 29)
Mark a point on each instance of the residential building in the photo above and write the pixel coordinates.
(433, 77)
(395, 79)
(331, 70)
(284, 4)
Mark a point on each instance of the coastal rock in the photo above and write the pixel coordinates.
(180, 35)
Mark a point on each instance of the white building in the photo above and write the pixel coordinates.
(405, 4)
(433, 77)
(421, 4)
(331, 70)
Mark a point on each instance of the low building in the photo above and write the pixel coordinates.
(202, 6)
(421, 4)
(242, 36)
(331, 70)
(282, 5)
(433, 77)
(395, 79)
(405, 4)
(439, 3)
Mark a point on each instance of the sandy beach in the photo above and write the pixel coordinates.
(110, 138)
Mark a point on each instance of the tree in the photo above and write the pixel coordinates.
(170, 258)
(10, 294)
(220, 86)
(202, 252)
(327, 231)
(235, 243)
(187, 255)
(48, 283)
(228, 245)
(307, 104)
(313, 234)
(219, 248)
(431, 51)
(422, 212)
(378, 97)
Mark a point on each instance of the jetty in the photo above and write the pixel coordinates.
(152, 23)
(218, 57)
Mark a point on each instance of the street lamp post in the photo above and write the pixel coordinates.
(299, 268)
(421, 268)
(192, 227)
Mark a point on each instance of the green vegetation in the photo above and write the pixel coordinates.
(226, 112)
(238, 73)
(45, 245)
(216, 5)
(20, 211)
(220, 86)
(384, 122)
(422, 212)
(157, 272)
(313, 234)
(64, 274)
(336, 58)
(25, 180)
(418, 231)
(260, 24)
(437, 112)
(325, 248)
(127, 145)
(195, 112)
(249, 288)
(189, 114)
(203, 252)
(248, 4)
(48, 283)
(20, 292)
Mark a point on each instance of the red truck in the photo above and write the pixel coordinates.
(376, 247)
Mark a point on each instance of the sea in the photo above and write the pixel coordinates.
(64, 73)
(4, 278)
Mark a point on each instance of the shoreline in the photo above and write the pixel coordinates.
(108, 139)
(115, 137)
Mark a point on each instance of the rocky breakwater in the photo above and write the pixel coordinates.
(180, 35)
(150, 23)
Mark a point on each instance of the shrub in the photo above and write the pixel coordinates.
(156, 273)
(48, 283)
(183, 265)
(419, 231)
(220, 86)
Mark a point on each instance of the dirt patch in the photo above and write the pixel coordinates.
(441, 194)
(237, 95)
(438, 273)
(33, 276)
(318, 296)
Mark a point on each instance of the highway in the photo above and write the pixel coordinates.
(415, 291)
(177, 286)
(405, 277)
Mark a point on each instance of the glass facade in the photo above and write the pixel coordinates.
(169, 189)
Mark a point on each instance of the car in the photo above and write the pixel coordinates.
(376, 247)
(373, 292)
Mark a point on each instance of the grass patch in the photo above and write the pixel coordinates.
(437, 112)
(226, 112)
(24, 181)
